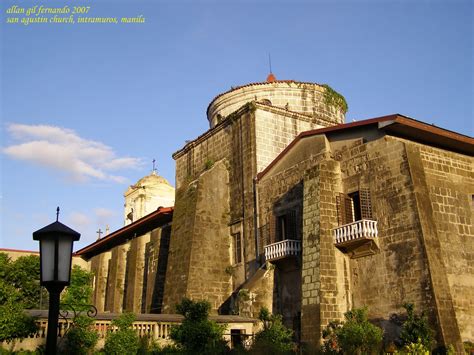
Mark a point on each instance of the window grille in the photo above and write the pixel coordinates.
(354, 207)
(237, 248)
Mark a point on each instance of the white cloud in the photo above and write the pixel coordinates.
(78, 220)
(63, 150)
(101, 212)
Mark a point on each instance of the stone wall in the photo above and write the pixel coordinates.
(199, 249)
(135, 274)
(156, 262)
(324, 297)
(114, 296)
(399, 272)
(274, 133)
(130, 276)
(251, 136)
(422, 233)
(99, 265)
(449, 185)
(422, 200)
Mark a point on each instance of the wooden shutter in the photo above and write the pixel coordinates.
(344, 209)
(290, 220)
(263, 236)
(237, 248)
(365, 204)
(272, 224)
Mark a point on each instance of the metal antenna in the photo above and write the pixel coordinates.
(57, 214)
(270, 62)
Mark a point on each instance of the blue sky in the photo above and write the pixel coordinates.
(113, 97)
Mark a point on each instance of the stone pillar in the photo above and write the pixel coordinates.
(135, 274)
(100, 268)
(116, 280)
(321, 298)
(200, 242)
(448, 329)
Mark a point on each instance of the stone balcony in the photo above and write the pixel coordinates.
(284, 249)
(358, 239)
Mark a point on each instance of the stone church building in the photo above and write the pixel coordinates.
(282, 204)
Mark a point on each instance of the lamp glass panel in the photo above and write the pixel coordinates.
(47, 259)
(64, 256)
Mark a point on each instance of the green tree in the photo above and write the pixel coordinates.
(14, 323)
(81, 337)
(354, 336)
(79, 292)
(416, 328)
(124, 340)
(197, 334)
(274, 338)
(24, 275)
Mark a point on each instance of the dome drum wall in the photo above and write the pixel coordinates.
(305, 98)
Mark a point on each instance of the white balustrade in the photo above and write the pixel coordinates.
(288, 247)
(157, 330)
(365, 228)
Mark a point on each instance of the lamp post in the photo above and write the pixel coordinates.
(56, 242)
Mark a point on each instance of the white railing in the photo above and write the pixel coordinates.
(155, 330)
(288, 247)
(365, 228)
(155, 326)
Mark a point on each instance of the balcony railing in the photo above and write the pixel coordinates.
(359, 238)
(283, 249)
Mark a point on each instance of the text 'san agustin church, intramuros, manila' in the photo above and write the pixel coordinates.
(284, 205)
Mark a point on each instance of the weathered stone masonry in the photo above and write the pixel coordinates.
(249, 127)
(412, 183)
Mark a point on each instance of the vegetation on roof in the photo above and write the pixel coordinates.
(333, 98)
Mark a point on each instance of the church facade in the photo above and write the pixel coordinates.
(283, 205)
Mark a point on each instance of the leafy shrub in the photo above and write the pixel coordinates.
(125, 340)
(14, 323)
(78, 294)
(147, 345)
(274, 338)
(354, 336)
(197, 334)
(468, 347)
(414, 349)
(416, 328)
(81, 338)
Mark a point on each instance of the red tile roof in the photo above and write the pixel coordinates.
(145, 224)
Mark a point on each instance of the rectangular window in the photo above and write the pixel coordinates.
(286, 226)
(354, 206)
(237, 248)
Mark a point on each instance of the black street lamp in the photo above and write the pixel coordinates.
(56, 242)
